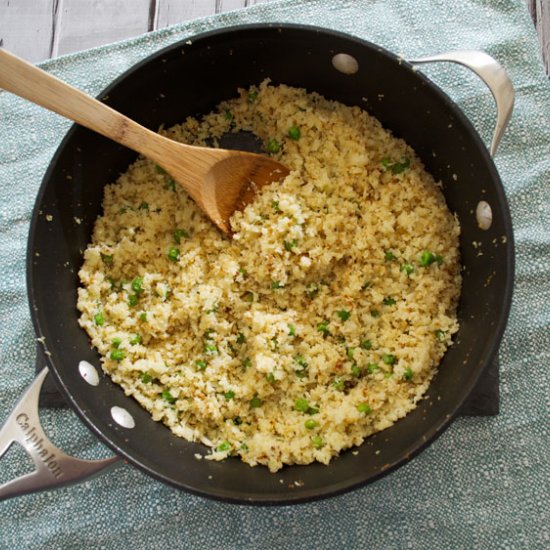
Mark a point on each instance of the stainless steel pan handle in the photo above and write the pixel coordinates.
(54, 468)
(494, 76)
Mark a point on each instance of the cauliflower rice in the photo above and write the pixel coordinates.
(321, 321)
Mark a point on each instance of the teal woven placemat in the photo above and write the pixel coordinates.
(483, 484)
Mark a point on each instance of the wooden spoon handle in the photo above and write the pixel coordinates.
(27, 81)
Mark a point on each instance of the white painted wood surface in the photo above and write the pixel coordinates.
(40, 29)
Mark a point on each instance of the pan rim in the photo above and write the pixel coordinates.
(490, 347)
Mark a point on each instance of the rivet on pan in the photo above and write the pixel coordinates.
(89, 373)
(122, 417)
(484, 215)
(345, 63)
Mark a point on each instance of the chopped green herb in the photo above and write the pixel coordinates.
(300, 360)
(115, 342)
(276, 284)
(389, 359)
(160, 169)
(243, 448)
(375, 313)
(167, 396)
(133, 300)
(241, 338)
(289, 245)
(294, 133)
(273, 146)
(136, 285)
(135, 340)
(270, 377)
(256, 402)
(343, 314)
(339, 384)
(201, 364)
(252, 96)
(372, 368)
(243, 272)
(364, 408)
(389, 301)
(223, 447)
(408, 373)
(118, 355)
(237, 421)
(276, 207)
(291, 330)
(389, 256)
(229, 395)
(171, 185)
(143, 206)
(178, 234)
(395, 167)
(350, 352)
(229, 115)
(311, 424)
(365, 285)
(366, 344)
(107, 258)
(356, 370)
(440, 335)
(323, 328)
(174, 254)
(317, 441)
(312, 290)
(210, 348)
(247, 363)
(99, 320)
(143, 316)
(408, 269)
(145, 377)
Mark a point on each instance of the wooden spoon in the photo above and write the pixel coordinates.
(219, 180)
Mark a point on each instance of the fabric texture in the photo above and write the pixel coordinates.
(483, 484)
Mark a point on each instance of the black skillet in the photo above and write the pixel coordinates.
(190, 78)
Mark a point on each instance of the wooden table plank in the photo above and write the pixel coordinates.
(40, 29)
(86, 24)
(26, 27)
(540, 12)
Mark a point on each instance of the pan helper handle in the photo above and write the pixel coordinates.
(494, 76)
(54, 468)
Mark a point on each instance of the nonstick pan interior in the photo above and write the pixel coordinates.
(190, 79)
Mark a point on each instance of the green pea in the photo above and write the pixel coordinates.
(364, 408)
(223, 447)
(273, 146)
(343, 314)
(310, 424)
(256, 402)
(99, 320)
(117, 355)
(174, 254)
(229, 395)
(145, 377)
(317, 441)
(294, 133)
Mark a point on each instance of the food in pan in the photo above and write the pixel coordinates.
(319, 322)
